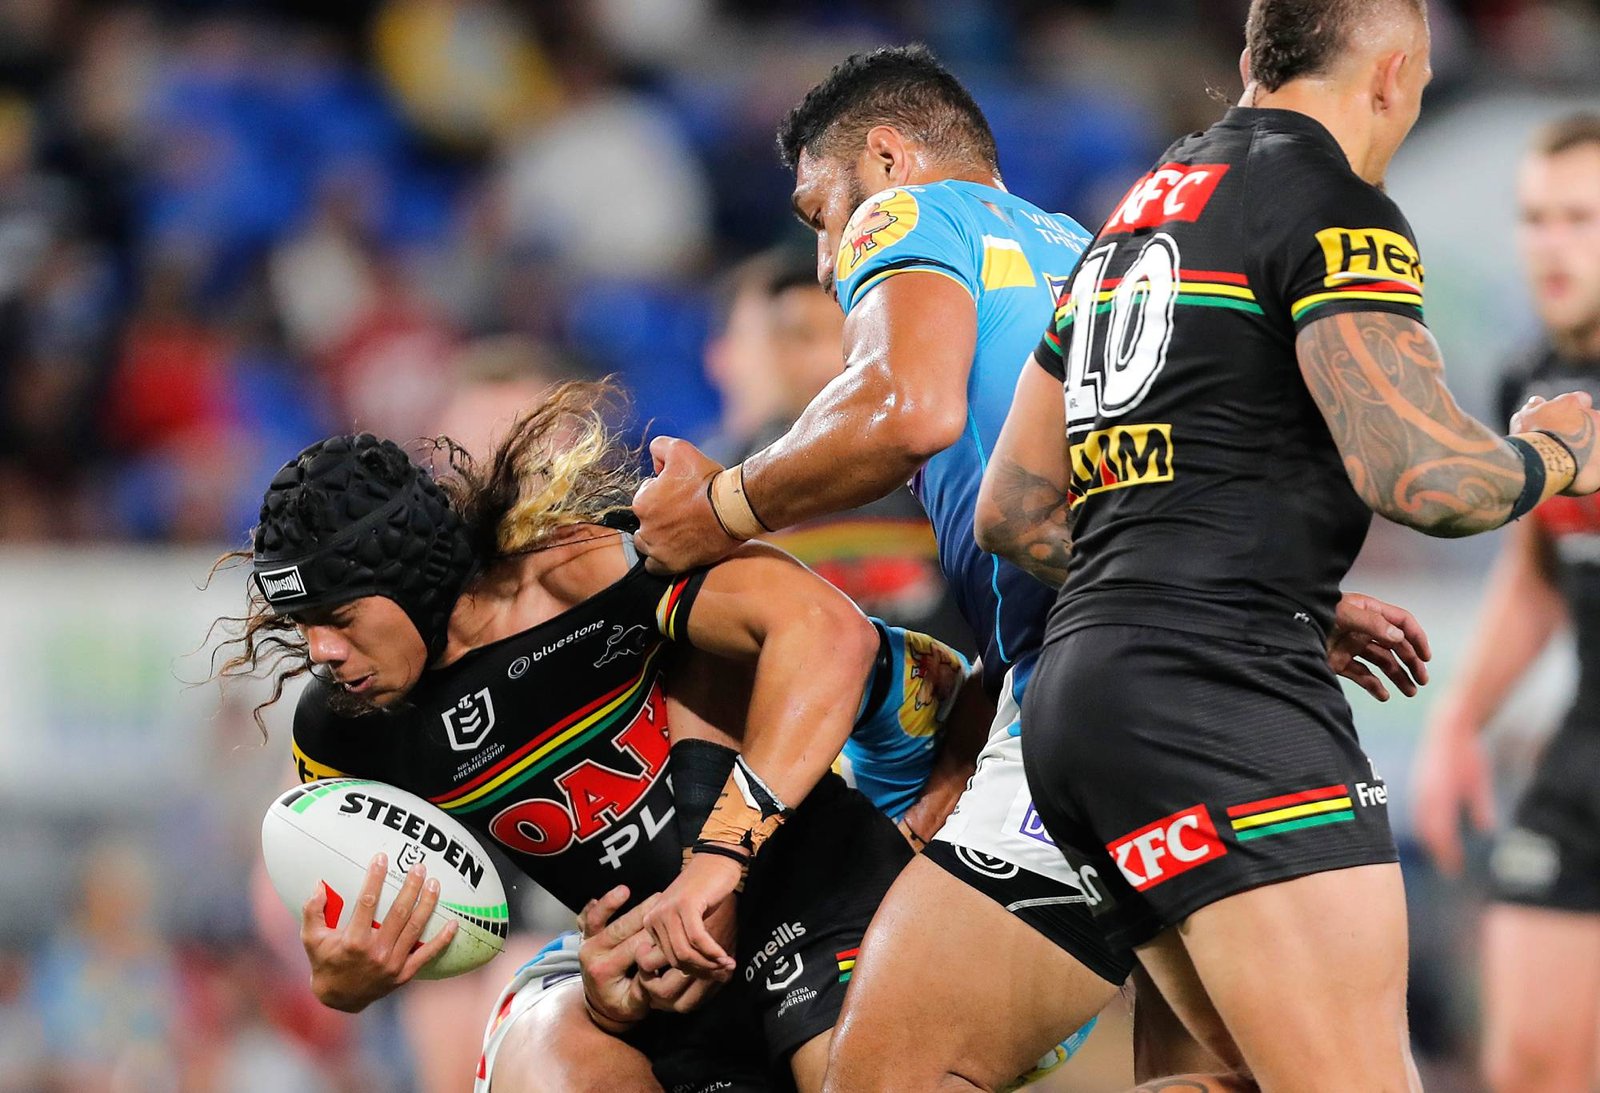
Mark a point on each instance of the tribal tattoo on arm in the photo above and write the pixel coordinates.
(1412, 454)
(1028, 521)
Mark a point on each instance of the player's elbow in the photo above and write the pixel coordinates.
(834, 623)
(988, 525)
(918, 426)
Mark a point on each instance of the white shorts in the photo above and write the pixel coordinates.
(553, 965)
(995, 816)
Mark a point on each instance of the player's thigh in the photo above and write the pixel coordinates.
(1309, 977)
(949, 983)
(1541, 998)
(553, 1047)
(809, 1063)
(1162, 1044)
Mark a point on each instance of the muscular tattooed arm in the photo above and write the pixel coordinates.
(1023, 513)
(1412, 454)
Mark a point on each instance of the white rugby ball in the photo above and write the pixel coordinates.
(327, 832)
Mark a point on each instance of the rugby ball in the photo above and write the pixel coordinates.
(327, 832)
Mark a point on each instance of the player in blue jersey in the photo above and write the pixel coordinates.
(940, 272)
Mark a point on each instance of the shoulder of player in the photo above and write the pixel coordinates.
(1299, 168)
(926, 225)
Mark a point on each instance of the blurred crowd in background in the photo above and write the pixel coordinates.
(228, 228)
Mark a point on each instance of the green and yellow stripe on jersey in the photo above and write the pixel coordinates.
(1196, 288)
(1386, 292)
(1292, 812)
(617, 707)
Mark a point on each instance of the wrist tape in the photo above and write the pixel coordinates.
(746, 814)
(731, 505)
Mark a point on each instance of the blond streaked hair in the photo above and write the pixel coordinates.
(561, 464)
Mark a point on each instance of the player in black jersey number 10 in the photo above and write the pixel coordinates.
(1241, 372)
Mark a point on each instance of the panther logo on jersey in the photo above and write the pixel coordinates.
(880, 222)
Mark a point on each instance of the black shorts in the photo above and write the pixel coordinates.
(1550, 856)
(1062, 914)
(805, 908)
(1191, 768)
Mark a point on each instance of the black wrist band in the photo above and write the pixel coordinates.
(1533, 478)
(705, 846)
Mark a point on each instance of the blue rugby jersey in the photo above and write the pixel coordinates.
(1013, 259)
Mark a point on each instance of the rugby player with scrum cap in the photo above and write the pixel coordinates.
(985, 953)
(492, 642)
(1242, 376)
(1541, 937)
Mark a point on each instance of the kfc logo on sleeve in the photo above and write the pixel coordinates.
(1160, 851)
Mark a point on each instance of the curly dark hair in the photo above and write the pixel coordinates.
(902, 86)
(562, 463)
(1289, 39)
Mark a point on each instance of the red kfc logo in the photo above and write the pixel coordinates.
(1170, 192)
(1160, 851)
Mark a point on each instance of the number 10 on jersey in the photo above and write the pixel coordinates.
(1120, 329)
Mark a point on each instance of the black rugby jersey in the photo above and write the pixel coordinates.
(1207, 493)
(550, 744)
(1572, 524)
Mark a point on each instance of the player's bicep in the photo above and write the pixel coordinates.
(912, 340)
(760, 591)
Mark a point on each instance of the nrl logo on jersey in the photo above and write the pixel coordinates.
(469, 721)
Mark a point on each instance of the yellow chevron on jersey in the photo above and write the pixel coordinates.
(1004, 264)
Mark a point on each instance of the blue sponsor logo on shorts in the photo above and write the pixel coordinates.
(1033, 827)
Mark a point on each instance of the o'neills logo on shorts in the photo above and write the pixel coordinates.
(1160, 851)
(281, 584)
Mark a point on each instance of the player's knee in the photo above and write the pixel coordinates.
(554, 1048)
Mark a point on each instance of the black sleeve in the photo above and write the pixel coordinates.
(674, 599)
(1330, 243)
(327, 745)
(1050, 354)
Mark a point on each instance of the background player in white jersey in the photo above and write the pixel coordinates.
(1541, 948)
(941, 276)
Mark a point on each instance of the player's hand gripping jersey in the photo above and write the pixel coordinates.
(1013, 258)
(1208, 494)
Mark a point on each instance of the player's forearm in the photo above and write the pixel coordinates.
(860, 439)
(1025, 519)
(809, 680)
(1412, 454)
